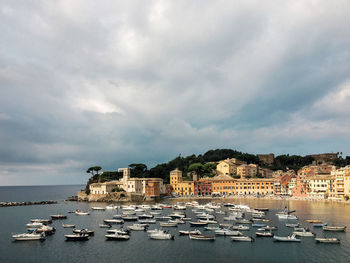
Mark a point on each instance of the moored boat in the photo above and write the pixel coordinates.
(117, 236)
(43, 221)
(138, 227)
(242, 238)
(81, 213)
(201, 237)
(227, 232)
(84, 231)
(168, 224)
(161, 236)
(264, 234)
(77, 237)
(330, 240)
(303, 233)
(193, 232)
(29, 236)
(59, 216)
(334, 228)
(291, 238)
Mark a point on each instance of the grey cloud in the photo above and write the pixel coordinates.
(86, 83)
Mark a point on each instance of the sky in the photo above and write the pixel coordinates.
(111, 83)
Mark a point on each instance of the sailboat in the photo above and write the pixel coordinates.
(286, 214)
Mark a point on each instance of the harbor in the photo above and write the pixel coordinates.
(142, 246)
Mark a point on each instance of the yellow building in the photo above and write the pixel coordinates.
(180, 187)
(175, 176)
(102, 189)
(226, 167)
(347, 185)
(223, 184)
(255, 186)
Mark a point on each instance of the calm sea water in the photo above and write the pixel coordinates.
(141, 249)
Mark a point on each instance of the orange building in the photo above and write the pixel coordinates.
(152, 188)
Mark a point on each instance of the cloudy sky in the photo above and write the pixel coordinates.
(110, 83)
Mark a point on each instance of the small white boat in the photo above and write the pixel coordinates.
(242, 238)
(84, 231)
(117, 236)
(212, 228)
(200, 237)
(126, 213)
(334, 228)
(189, 232)
(283, 216)
(48, 230)
(304, 233)
(77, 237)
(161, 236)
(264, 234)
(291, 238)
(137, 227)
(154, 213)
(227, 232)
(28, 236)
(330, 240)
(81, 213)
(43, 221)
(35, 225)
(119, 231)
(110, 207)
(240, 227)
(68, 226)
(152, 231)
(177, 215)
(99, 208)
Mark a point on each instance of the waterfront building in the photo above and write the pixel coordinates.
(320, 186)
(202, 188)
(152, 188)
(180, 187)
(102, 189)
(256, 186)
(291, 185)
(223, 184)
(301, 188)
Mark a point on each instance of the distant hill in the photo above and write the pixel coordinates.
(199, 163)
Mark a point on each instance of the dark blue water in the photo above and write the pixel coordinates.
(141, 249)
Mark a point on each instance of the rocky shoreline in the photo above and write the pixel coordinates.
(7, 204)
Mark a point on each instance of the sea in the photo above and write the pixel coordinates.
(142, 249)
